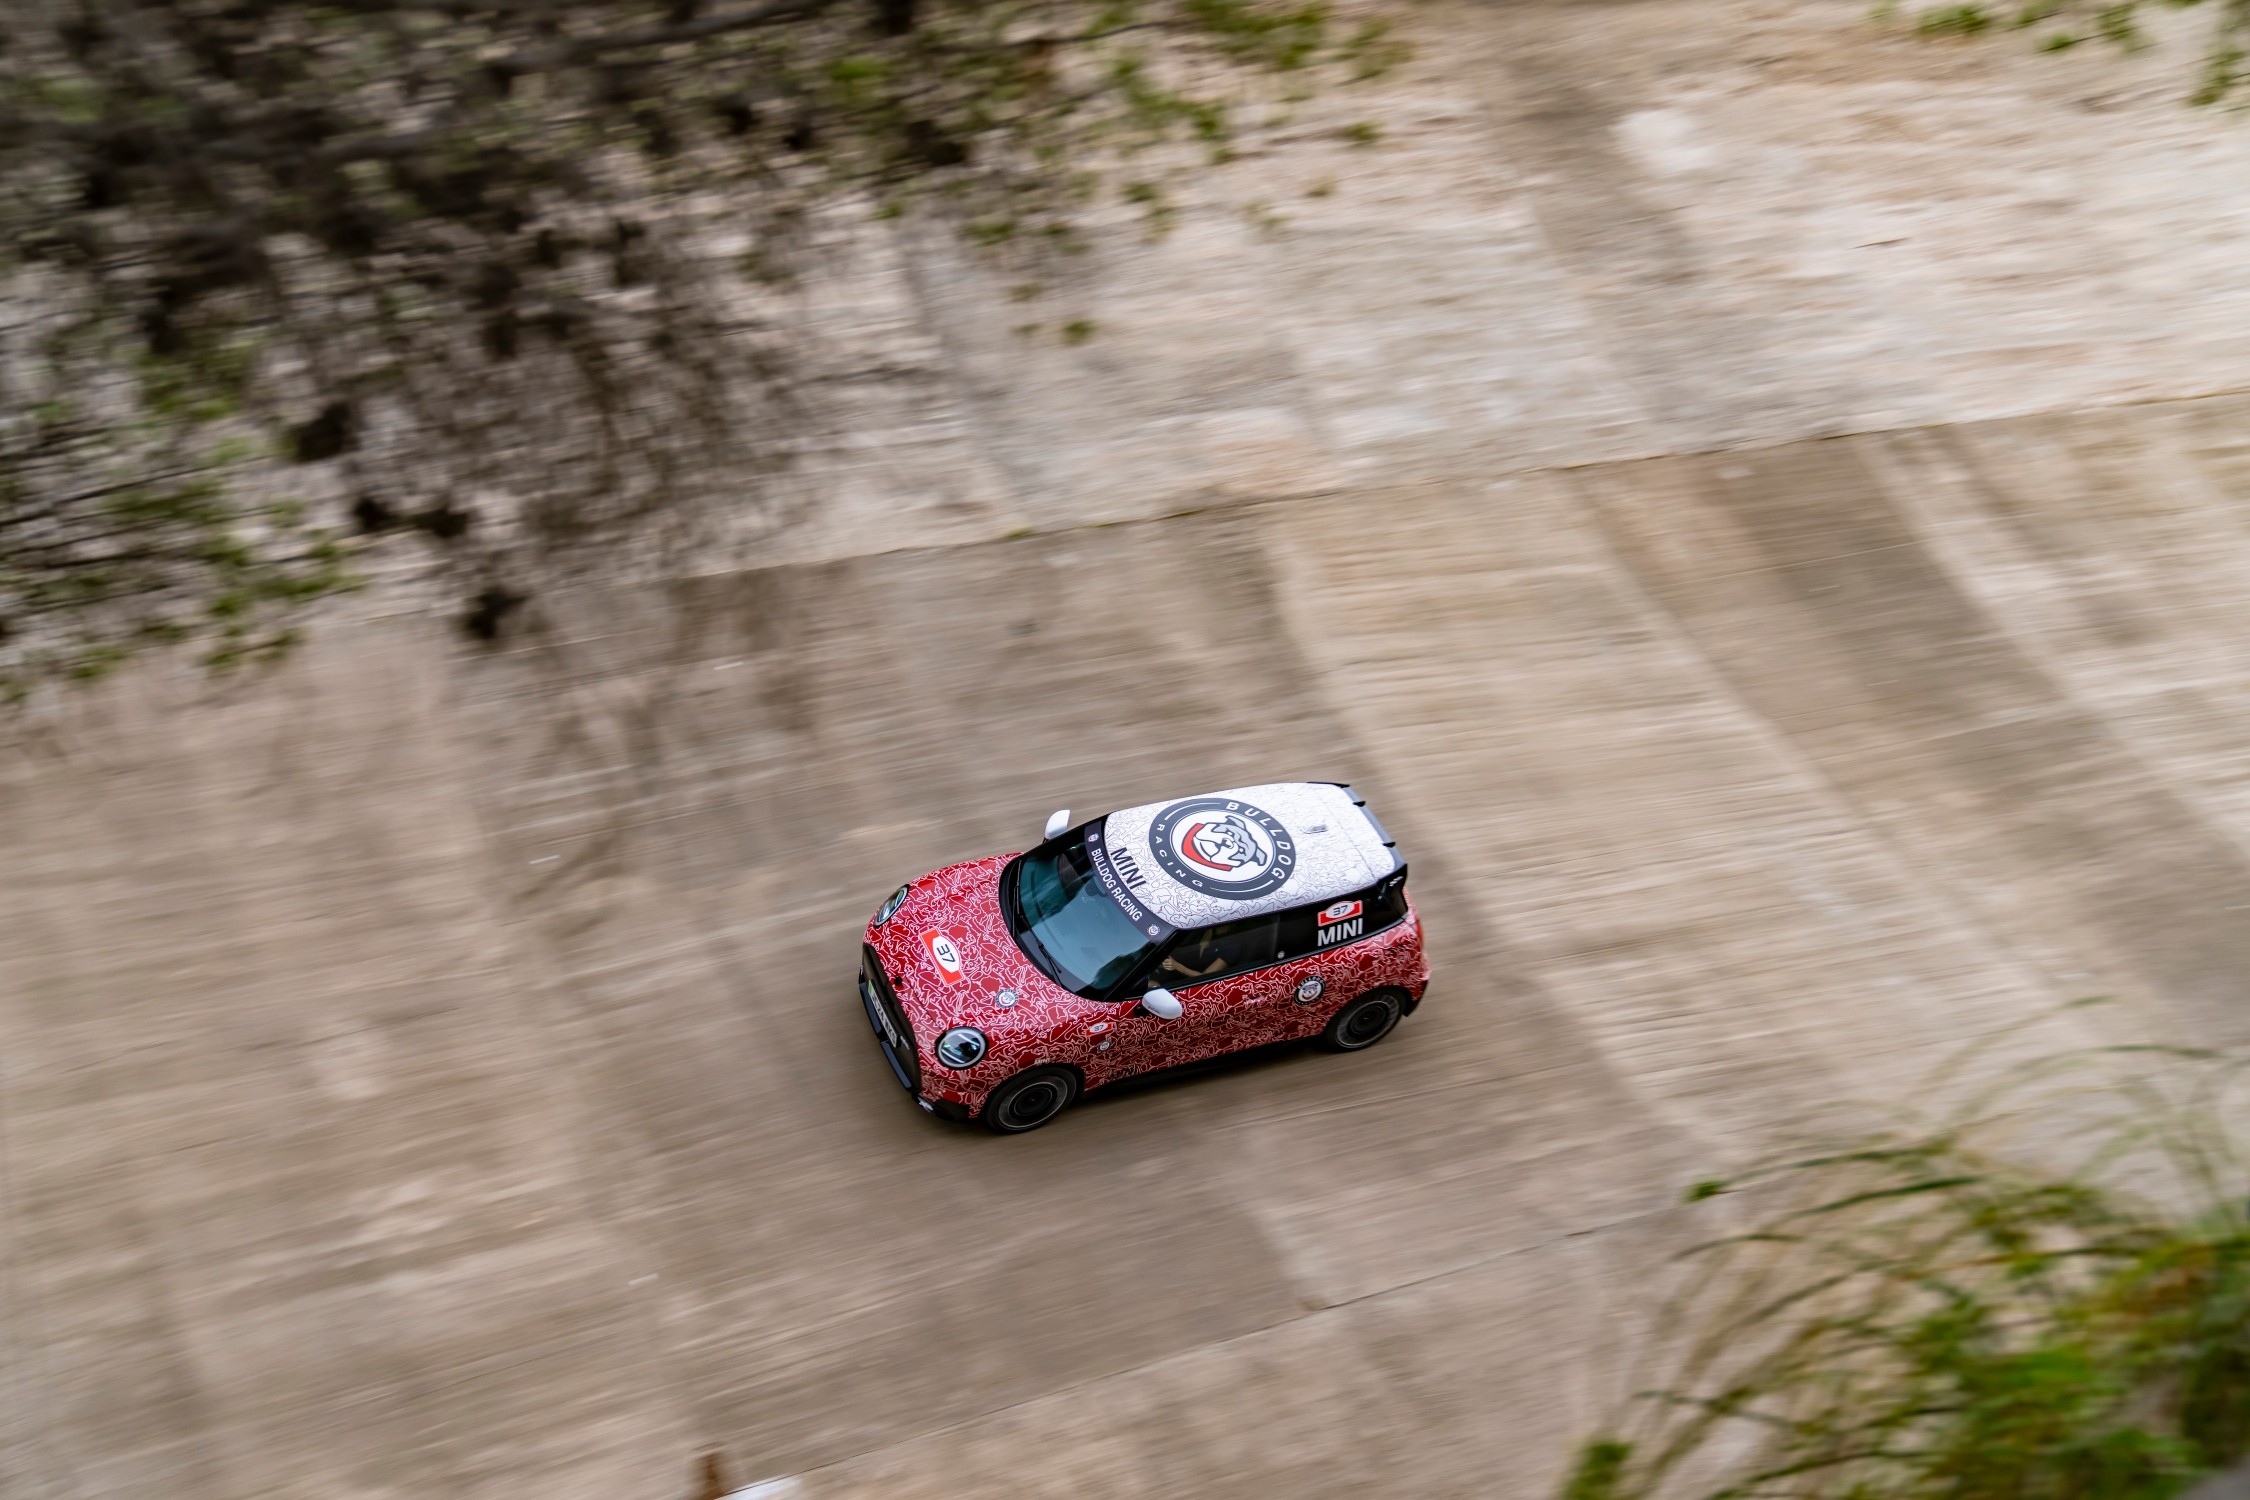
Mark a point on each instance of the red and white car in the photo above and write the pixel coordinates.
(1002, 989)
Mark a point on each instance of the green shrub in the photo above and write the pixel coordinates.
(1933, 1316)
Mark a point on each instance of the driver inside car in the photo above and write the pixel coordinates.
(1188, 963)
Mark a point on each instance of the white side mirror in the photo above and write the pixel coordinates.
(1162, 1004)
(1058, 824)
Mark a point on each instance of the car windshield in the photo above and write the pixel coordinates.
(1067, 925)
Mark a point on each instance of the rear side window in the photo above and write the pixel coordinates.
(1332, 924)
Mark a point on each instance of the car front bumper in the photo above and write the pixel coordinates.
(894, 1036)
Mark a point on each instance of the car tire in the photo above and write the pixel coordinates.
(1030, 1099)
(1361, 1023)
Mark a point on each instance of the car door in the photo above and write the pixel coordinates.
(1305, 968)
(1231, 996)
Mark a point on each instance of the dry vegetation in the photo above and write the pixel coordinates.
(286, 276)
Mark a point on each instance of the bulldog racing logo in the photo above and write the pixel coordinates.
(1223, 847)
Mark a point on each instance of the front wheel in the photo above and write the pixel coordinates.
(1363, 1022)
(1030, 1099)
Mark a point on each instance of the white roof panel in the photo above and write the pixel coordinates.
(1242, 853)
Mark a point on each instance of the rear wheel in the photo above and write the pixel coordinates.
(1030, 1099)
(1363, 1022)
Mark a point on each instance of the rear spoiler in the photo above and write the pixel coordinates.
(1368, 813)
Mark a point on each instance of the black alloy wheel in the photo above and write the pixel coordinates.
(1030, 1099)
(1363, 1022)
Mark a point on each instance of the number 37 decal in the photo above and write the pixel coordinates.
(944, 954)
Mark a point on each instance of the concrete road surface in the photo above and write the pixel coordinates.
(434, 1072)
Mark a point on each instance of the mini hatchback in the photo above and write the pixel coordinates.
(1002, 989)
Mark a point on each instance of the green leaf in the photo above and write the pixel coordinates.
(1600, 1468)
(1953, 20)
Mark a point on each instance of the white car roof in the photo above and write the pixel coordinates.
(1221, 856)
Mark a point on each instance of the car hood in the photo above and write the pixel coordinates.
(956, 912)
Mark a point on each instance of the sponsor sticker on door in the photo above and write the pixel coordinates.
(944, 954)
(1340, 922)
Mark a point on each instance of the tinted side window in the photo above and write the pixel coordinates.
(1213, 952)
(1316, 929)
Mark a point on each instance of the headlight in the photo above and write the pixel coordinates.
(962, 1047)
(890, 907)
